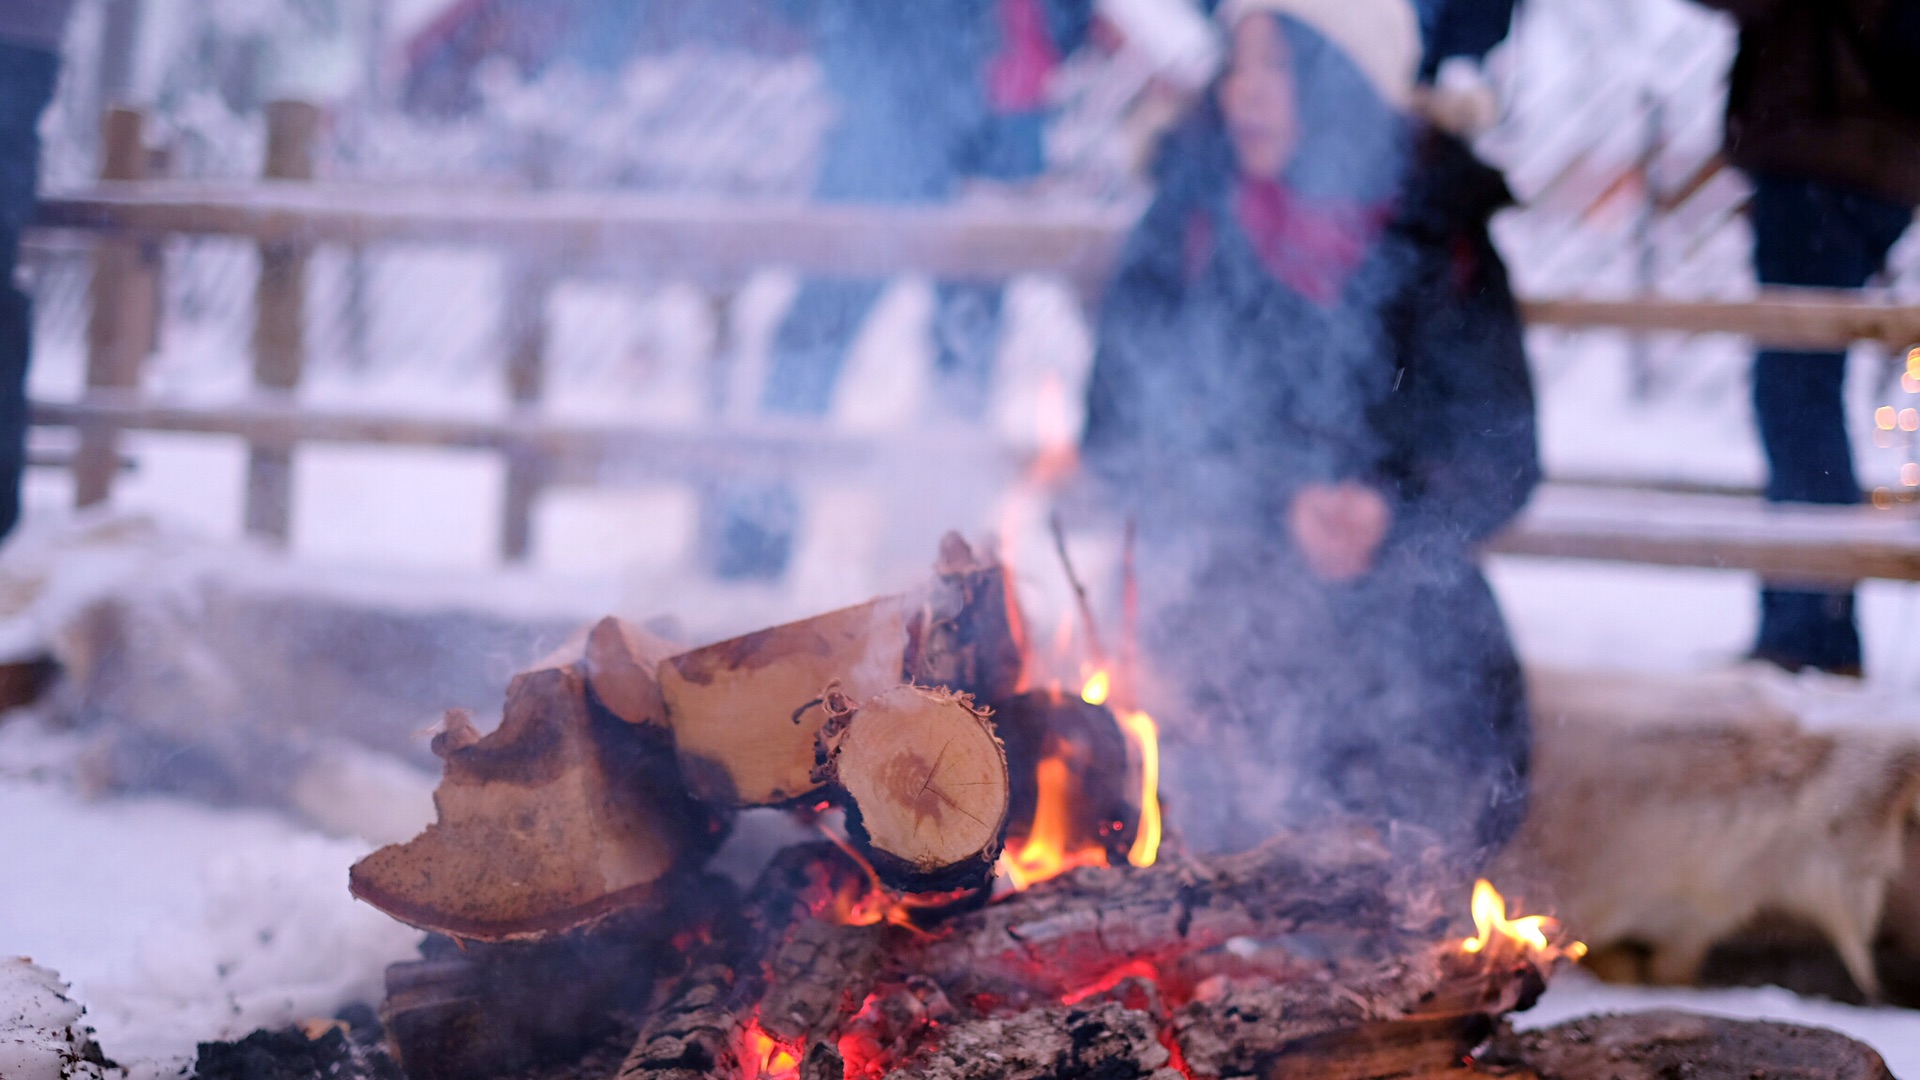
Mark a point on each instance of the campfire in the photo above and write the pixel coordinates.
(994, 893)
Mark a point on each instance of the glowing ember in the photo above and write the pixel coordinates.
(1132, 969)
(1043, 853)
(1530, 933)
(865, 901)
(765, 1058)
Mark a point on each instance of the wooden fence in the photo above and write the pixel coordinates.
(717, 244)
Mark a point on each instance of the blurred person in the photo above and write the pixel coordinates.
(30, 33)
(1823, 115)
(931, 94)
(1310, 391)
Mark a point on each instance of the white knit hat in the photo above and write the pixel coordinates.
(1381, 37)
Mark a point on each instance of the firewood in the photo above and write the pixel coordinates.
(693, 1032)
(1103, 808)
(745, 712)
(1064, 934)
(1664, 1042)
(1382, 1048)
(779, 965)
(925, 783)
(552, 821)
(623, 670)
(961, 634)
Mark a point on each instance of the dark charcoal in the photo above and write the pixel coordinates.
(1667, 1045)
(291, 1055)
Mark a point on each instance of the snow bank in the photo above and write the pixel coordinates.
(41, 1037)
(178, 923)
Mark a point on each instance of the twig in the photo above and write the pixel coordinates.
(1079, 591)
(1129, 617)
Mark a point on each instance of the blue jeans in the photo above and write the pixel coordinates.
(26, 86)
(1810, 233)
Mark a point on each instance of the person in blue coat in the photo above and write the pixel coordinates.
(1311, 393)
(931, 94)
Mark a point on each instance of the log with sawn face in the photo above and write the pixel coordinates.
(746, 713)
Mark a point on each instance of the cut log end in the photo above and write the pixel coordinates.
(926, 785)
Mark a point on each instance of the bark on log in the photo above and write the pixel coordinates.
(1065, 934)
(925, 783)
(553, 821)
(745, 712)
(1342, 963)
(1668, 1043)
(784, 964)
(623, 670)
(693, 1033)
(963, 633)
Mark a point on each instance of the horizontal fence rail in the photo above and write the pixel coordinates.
(702, 239)
(718, 243)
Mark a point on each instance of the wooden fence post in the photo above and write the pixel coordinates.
(524, 323)
(279, 329)
(125, 294)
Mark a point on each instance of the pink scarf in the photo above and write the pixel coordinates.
(1017, 75)
(1312, 246)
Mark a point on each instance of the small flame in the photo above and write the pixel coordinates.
(864, 901)
(1097, 688)
(766, 1058)
(1531, 932)
(1144, 735)
(1044, 854)
(1143, 738)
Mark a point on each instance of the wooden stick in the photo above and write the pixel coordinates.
(1126, 681)
(1094, 648)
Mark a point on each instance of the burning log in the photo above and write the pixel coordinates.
(1068, 933)
(1071, 791)
(745, 713)
(926, 785)
(555, 820)
(1665, 1043)
(1323, 956)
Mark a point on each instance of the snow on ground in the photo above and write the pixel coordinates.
(176, 922)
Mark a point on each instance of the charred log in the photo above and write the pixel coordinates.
(1101, 804)
(1667, 1043)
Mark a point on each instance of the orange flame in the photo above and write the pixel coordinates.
(1044, 853)
(765, 1058)
(865, 901)
(1532, 933)
(1143, 738)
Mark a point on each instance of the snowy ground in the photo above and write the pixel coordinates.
(177, 922)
